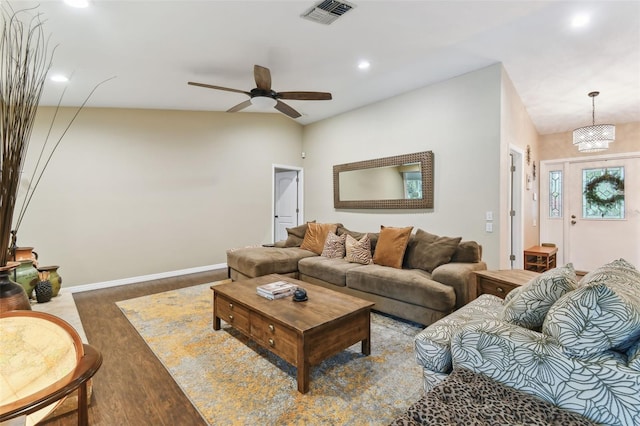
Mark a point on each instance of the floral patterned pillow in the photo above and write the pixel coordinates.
(633, 355)
(603, 314)
(529, 306)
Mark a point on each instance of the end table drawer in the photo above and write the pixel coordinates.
(232, 313)
(275, 337)
(492, 287)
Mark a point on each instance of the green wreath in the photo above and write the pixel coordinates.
(591, 193)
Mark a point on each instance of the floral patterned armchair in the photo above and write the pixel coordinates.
(575, 345)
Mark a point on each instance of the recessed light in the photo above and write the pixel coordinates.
(364, 65)
(579, 21)
(77, 3)
(59, 78)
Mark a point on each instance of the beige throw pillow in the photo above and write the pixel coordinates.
(316, 235)
(373, 236)
(391, 246)
(358, 251)
(334, 246)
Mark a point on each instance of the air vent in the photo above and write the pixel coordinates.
(327, 11)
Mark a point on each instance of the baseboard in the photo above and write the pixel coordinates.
(134, 280)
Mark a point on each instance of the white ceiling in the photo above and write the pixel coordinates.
(154, 47)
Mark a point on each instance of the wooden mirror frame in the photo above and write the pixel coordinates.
(426, 168)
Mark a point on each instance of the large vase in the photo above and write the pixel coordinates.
(27, 276)
(54, 278)
(12, 295)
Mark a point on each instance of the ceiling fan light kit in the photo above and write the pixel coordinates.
(263, 102)
(263, 97)
(594, 138)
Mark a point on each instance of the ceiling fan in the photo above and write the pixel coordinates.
(264, 95)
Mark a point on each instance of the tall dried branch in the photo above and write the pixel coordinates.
(25, 59)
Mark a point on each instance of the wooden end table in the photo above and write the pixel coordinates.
(540, 258)
(501, 282)
(301, 333)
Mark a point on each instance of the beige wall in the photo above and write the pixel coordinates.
(560, 145)
(517, 132)
(458, 119)
(137, 192)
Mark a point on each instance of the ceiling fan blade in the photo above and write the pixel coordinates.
(286, 109)
(209, 86)
(263, 77)
(240, 106)
(305, 96)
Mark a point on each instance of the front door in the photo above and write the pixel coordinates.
(591, 210)
(286, 203)
(604, 212)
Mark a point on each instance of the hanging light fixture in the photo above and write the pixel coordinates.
(594, 138)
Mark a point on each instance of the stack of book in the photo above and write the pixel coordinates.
(276, 290)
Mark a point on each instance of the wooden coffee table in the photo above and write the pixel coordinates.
(301, 333)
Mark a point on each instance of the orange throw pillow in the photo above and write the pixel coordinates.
(316, 235)
(391, 246)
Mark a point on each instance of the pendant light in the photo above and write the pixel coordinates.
(594, 138)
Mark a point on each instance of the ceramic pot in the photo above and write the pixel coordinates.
(25, 253)
(54, 277)
(44, 291)
(27, 276)
(12, 295)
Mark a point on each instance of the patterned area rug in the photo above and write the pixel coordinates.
(230, 380)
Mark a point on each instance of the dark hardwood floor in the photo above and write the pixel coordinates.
(132, 387)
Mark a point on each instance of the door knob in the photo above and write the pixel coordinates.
(573, 222)
(573, 216)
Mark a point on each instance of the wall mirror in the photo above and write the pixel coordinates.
(399, 182)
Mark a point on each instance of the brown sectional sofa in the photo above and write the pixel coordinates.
(411, 293)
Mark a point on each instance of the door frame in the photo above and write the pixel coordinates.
(275, 168)
(545, 166)
(516, 222)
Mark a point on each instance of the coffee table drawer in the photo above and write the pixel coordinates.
(275, 337)
(232, 313)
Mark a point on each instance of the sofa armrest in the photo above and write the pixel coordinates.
(459, 276)
(601, 387)
(433, 344)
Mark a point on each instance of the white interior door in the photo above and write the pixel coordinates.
(286, 203)
(596, 234)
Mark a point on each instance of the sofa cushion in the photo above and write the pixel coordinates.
(358, 251)
(530, 305)
(259, 261)
(467, 252)
(333, 271)
(391, 246)
(603, 313)
(373, 236)
(413, 286)
(316, 235)
(334, 246)
(433, 344)
(427, 251)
